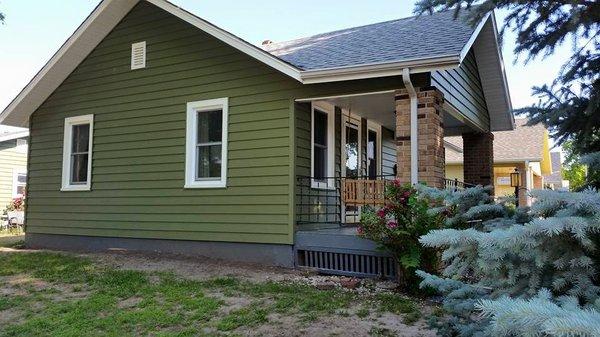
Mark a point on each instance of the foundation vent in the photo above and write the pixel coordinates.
(347, 264)
(138, 55)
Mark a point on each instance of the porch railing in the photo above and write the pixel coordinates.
(336, 200)
(456, 185)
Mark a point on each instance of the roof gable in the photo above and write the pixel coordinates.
(110, 12)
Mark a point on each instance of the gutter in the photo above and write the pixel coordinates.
(414, 127)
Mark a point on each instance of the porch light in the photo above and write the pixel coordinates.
(515, 178)
(515, 181)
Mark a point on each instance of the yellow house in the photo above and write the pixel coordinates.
(13, 163)
(525, 148)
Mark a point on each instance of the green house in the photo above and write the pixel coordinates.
(152, 129)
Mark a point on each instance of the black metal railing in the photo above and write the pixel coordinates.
(328, 200)
(456, 185)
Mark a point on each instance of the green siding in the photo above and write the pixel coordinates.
(139, 139)
(11, 160)
(462, 88)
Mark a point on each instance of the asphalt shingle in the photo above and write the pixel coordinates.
(420, 37)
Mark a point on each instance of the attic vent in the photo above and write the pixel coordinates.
(138, 55)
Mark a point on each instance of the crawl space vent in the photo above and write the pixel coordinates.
(138, 55)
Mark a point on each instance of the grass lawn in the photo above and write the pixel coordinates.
(59, 294)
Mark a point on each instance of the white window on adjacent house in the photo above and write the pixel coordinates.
(19, 183)
(77, 153)
(206, 144)
(21, 145)
(322, 145)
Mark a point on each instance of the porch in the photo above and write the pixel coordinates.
(349, 148)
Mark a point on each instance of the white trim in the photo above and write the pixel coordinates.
(67, 145)
(329, 109)
(371, 125)
(420, 65)
(138, 47)
(471, 41)
(310, 99)
(414, 128)
(16, 172)
(16, 135)
(190, 142)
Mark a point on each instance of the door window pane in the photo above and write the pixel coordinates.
(372, 154)
(351, 152)
(320, 145)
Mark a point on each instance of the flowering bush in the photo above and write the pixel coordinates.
(397, 227)
(17, 204)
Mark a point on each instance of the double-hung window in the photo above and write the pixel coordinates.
(19, 182)
(206, 144)
(77, 153)
(322, 145)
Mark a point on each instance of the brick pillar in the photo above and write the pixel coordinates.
(478, 153)
(430, 137)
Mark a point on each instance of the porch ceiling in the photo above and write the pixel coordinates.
(381, 108)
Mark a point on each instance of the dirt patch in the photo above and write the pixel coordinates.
(129, 303)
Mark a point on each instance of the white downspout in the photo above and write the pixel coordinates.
(414, 127)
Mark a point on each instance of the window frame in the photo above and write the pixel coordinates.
(328, 109)
(191, 142)
(15, 182)
(67, 155)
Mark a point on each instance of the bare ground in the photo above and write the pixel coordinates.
(343, 324)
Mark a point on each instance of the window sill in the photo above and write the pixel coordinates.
(321, 186)
(75, 188)
(211, 184)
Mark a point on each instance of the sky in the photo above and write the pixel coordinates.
(35, 29)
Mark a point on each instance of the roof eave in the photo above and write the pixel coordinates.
(374, 70)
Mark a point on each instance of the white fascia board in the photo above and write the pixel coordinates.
(85, 38)
(474, 36)
(15, 135)
(379, 69)
(503, 71)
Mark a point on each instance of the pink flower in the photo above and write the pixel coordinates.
(396, 183)
(392, 224)
(381, 212)
(407, 194)
(359, 230)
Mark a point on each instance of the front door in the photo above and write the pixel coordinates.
(351, 161)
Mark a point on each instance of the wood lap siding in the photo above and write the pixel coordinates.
(139, 140)
(462, 88)
(10, 159)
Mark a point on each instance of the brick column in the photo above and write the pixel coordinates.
(430, 137)
(478, 153)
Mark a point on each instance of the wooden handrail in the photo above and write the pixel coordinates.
(363, 191)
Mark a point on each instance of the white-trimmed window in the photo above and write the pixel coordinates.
(206, 144)
(374, 154)
(322, 145)
(19, 182)
(21, 145)
(77, 153)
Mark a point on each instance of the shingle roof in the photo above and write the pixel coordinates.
(522, 143)
(420, 37)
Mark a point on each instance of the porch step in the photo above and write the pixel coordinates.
(341, 252)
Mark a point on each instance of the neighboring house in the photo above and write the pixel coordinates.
(13, 163)
(525, 148)
(555, 180)
(153, 129)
